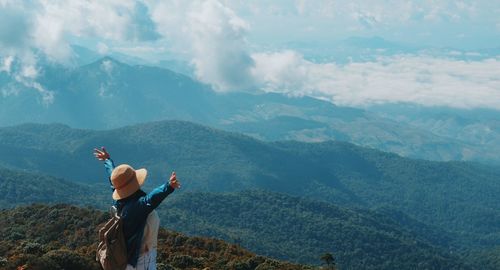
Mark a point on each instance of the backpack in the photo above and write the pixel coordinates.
(112, 249)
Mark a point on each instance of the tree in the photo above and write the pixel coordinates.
(329, 260)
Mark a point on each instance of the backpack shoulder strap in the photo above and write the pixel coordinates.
(116, 210)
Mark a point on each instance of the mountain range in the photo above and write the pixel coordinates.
(267, 223)
(449, 205)
(108, 94)
(391, 186)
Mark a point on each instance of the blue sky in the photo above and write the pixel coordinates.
(432, 52)
(460, 24)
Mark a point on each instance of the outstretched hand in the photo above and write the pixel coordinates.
(101, 154)
(174, 183)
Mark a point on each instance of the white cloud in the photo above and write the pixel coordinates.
(170, 18)
(118, 20)
(219, 48)
(219, 51)
(284, 72)
(415, 79)
(102, 48)
(9, 90)
(27, 81)
(47, 95)
(30, 72)
(300, 5)
(44, 28)
(7, 64)
(47, 25)
(213, 37)
(107, 66)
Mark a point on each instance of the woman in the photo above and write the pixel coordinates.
(140, 220)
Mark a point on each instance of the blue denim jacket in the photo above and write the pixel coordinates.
(134, 211)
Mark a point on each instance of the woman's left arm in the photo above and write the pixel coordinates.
(157, 195)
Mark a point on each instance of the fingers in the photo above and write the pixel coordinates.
(174, 182)
(101, 154)
(98, 153)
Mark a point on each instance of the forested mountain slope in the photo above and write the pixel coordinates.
(65, 237)
(271, 224)
(456, 196)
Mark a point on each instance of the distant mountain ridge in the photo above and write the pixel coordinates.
(109, 94)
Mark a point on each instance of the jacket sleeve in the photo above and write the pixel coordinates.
(155, 197)
(109, 165)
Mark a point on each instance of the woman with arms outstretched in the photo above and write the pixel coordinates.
(137, 209)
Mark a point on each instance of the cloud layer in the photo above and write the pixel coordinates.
(417, 79)
(213, 37)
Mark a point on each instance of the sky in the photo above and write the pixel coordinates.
(433, 53)
(461, 24)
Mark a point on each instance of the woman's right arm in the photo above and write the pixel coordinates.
(109, 165)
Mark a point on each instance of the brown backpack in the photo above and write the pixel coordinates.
(112, 250)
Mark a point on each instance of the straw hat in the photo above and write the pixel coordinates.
(127, 181)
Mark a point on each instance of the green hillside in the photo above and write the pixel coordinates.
(458, 197)
(22, 188)
(296, 229)
(271, 224)
(275, 225)
(65, 237)
(486, 259)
